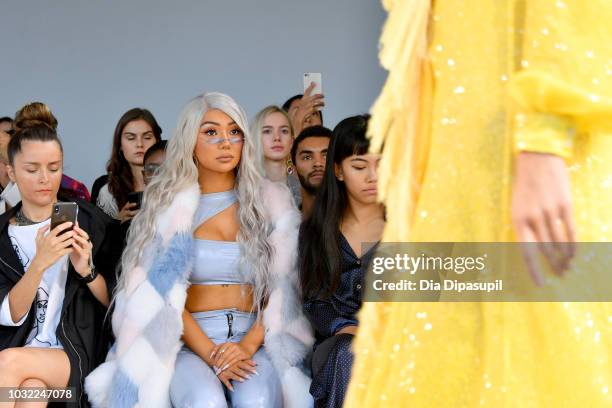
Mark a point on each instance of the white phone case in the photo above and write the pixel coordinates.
(316, 78)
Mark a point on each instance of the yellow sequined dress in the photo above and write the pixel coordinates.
(490, 78)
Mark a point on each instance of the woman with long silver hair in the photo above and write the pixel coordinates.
(212, 257)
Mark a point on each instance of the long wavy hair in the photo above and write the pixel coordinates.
(179, 172)
(120, 178)
(320, 257)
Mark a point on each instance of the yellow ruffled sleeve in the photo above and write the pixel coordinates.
(562, 79)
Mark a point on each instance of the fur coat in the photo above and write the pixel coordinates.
(147, 320)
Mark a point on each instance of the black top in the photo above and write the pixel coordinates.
(340, 310)
(97, 186)
(80, 330)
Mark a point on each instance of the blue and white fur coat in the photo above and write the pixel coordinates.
(147, 320)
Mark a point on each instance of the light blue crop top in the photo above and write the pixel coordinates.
(216, 262)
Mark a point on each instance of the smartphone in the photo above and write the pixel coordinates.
(135, 197)
(64, 212)
(316, 78)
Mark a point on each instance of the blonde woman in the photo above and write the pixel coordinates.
(274, 135)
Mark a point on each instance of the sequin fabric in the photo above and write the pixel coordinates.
(505, 76)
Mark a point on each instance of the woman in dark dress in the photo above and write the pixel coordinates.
(346, 217)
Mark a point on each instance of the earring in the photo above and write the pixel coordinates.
(290, 166)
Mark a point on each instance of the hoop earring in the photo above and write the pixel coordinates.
(290, 166)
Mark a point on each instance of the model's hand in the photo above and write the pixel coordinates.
(542, 212)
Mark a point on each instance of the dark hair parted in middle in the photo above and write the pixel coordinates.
(319, 249)
(120, 181)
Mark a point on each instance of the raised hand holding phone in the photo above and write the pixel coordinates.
(308, 107)
(313, 78)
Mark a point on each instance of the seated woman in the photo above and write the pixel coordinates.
(136, 131)
(208, 258)
(9, 193)
(53, 300)
(332, 262)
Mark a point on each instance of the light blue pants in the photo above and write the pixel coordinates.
(195, 384)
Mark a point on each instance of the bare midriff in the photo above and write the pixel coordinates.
(203, 298)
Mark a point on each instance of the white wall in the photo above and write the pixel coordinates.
(90, 61)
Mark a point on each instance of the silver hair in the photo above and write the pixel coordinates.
(179, 172)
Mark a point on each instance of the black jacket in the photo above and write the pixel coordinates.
(97, 186)
(81, 330)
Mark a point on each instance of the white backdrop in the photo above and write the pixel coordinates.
(92, 61)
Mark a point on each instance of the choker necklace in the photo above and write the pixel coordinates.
(23, 221)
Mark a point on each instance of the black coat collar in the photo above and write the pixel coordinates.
(8, 258)
(90, 218)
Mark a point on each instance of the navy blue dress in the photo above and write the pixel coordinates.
(332, 359)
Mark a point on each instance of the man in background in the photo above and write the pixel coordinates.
(309, 152)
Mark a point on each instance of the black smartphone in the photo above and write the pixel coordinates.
(135, 197)
(64, 212)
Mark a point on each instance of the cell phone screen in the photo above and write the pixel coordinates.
(135, 197)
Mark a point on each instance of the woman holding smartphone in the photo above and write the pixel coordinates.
(332, 258)
(136, 131)
(210, 257)
(52, 298)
